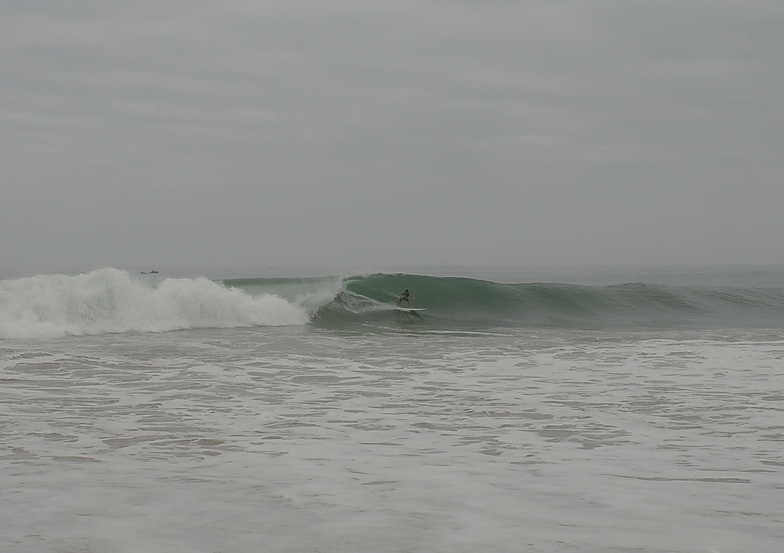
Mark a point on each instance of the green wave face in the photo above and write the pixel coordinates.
(370, 302)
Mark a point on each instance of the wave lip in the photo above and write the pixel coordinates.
(111, 301)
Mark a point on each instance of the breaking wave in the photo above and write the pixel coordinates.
(113, 301)
(110, 301)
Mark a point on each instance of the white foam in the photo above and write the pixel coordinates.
(110, 300)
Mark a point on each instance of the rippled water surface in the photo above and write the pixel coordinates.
(304, 439)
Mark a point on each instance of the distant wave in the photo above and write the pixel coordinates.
(111, 301)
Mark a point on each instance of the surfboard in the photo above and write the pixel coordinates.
(401, 308)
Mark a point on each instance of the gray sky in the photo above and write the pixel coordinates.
(382, 133)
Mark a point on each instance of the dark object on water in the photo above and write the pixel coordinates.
(149, 272)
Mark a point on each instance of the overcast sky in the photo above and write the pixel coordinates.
(381, 133)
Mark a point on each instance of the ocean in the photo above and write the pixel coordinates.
(274, 410)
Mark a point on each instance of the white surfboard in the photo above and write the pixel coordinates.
(401, 308)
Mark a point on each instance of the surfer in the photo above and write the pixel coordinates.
(405, 297)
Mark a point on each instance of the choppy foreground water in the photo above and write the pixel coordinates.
(304, 439)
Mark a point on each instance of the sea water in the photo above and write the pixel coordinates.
(543, 411)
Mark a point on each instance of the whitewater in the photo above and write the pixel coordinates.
(543, 411)
(110, 300)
